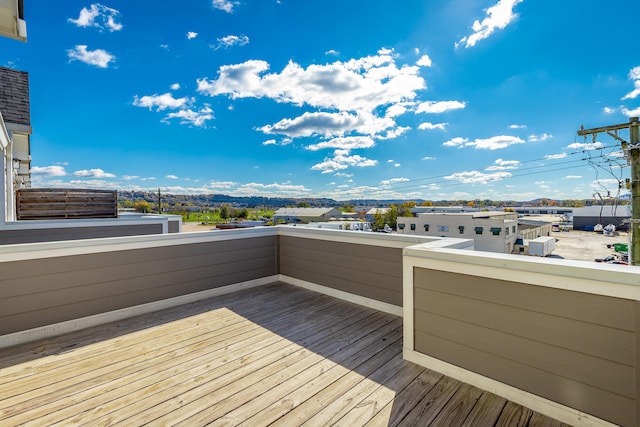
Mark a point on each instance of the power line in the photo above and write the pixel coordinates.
(437, 180)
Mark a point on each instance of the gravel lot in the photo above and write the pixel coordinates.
(189, 227)
(585, 245)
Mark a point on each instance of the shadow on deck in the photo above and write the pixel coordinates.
(271, 355)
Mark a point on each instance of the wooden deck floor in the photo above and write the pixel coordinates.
(274, 355)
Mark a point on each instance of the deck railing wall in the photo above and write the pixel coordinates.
(52, 283)
(557, 336)
(548, 334)
(17, 232)
(363, 267)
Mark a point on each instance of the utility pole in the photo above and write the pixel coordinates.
(631, 151)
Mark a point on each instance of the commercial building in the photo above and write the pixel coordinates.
(490, 231)
(303, 215)
(588, 217)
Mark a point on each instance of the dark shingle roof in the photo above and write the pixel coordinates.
(14, 96)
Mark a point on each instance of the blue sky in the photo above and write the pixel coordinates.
(430, 99)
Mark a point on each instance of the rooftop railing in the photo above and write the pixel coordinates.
(560, 337)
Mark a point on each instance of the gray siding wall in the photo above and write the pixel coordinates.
(577, 349)
(41, 292)
(11, 237)
(174, 226)
(371, 271)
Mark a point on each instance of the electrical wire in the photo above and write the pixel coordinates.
(539, 169)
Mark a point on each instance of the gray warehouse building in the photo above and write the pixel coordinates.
(586, 218)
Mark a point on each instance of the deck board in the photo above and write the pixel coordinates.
(274, 355)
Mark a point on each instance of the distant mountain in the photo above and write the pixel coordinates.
(175, 201)
(215, 200)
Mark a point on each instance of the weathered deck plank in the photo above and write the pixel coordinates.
(273, 355)
(486, 411)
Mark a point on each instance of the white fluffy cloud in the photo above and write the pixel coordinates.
(350, 104)
(93, 173)
(586, 146)
(630, 113)
(345, 143)
(160, 102)
(98, 16)
(358, 84)
(191, 35)
(222, 185)
(539, 138)
(555, 156)
(99, 57)
(432, 126)
(498, 17)
(436, 107)
(186, 114)
(458, 141)
(634, 76)
(285, 189)
(225, 5)
(493, 143)
(477, 177)
(198, 118)
(424, 61)
(500, 164)
(330, 124)
(342, 160)
(48, 171)
(389, 182)
(496, 142)
(230, 41)
(90, 183)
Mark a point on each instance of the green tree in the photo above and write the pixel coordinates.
(391, 216)
(378, 220)
(347, 207)
(142, 206)
(303, 205)
(242, 213)
(405, 209)
(224, 212)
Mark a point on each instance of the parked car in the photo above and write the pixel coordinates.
(606, 259)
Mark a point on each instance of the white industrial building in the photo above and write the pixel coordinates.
(304, 215)
(490, 231)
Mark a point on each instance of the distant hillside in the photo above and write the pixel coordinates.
(215, 200)
(177, 201)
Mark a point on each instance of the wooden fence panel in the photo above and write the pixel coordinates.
(61, 203)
